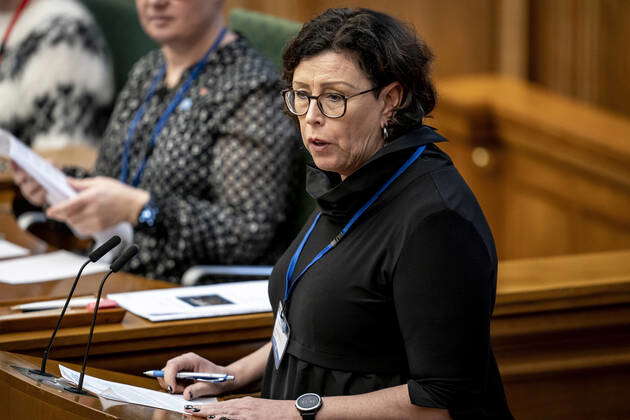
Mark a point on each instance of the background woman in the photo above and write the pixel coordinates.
(385, 297)
(56, 84)
(197, 154)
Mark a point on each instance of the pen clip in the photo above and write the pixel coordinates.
(214, 381)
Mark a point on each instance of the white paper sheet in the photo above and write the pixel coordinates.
(131, 394)
(52, 266)
(56, 185)
(11, 250)
(197, 302)
(79, 302)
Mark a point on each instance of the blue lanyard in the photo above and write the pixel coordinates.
(289, 281)
(179, 96)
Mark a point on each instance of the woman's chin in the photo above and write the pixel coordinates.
(325, 164)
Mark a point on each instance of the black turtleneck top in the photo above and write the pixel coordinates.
(404, 298)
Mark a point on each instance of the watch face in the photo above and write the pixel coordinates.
(146, 215)
(308, 402)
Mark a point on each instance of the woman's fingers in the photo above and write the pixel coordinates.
(30, 188)
(200, 389)
(181, 363)
(68, 209)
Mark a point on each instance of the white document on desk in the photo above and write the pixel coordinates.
(45, 267)
(11, 250)
(131, 394)
(55, 183)
(197, 302)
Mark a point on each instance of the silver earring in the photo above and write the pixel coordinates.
(385, 132)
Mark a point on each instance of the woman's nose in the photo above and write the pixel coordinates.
(313, 113)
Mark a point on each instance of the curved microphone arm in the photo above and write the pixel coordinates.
(42, 370)
(93, 257)
(89, 343)
(119, 263)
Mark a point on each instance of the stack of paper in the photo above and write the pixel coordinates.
(55, 183)
(197, 302)
(52, 266)
(131, 394)
(10, 250)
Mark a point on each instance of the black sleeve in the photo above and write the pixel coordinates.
(443, 285)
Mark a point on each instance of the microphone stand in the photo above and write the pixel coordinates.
(113, 268)
(42, 370)
(79, 388)
(94, 256)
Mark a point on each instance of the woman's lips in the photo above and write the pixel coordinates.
(318, 145)
(160, 20)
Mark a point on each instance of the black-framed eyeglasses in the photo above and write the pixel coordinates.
(331, 104)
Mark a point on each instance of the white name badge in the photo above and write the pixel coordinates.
(280, 337)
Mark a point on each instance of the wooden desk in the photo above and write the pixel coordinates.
(24, 398)
(560, 334)
(135, 344)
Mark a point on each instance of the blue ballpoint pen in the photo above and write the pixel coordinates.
(195, 376)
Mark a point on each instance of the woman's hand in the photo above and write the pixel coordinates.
(191, 362)
(30, 189)
(246, 408)
(101, 203)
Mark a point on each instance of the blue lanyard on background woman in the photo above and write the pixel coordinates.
(179, 96)
(289, 281)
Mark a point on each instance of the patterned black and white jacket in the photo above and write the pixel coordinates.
(56, 82)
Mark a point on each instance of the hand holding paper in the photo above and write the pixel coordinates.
(59, 190)
(101, 202)
(40, 170)
(30, 189)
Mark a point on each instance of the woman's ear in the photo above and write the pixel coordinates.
(392, 97)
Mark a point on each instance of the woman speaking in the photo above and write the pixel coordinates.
(383, 301)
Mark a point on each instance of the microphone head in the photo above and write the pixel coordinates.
(124, 258)
(110, 244)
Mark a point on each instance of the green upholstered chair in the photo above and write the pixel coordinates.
(268, 34)
(118, 20)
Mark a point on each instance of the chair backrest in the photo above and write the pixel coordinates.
(268, 34)
(127, 41)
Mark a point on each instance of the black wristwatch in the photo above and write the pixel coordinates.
(308, 405)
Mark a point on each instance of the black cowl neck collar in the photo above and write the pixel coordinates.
(340, 199)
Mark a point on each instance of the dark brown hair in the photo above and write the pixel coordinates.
(386, 49)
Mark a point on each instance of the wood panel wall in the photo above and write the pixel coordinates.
(574, 47)
(461, 33)
(552, 174)
(580, 48)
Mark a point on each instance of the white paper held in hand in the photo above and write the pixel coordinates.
(55, 183)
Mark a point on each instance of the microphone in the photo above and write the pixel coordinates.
(94, 256)
(118, 263)
(99, 252)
